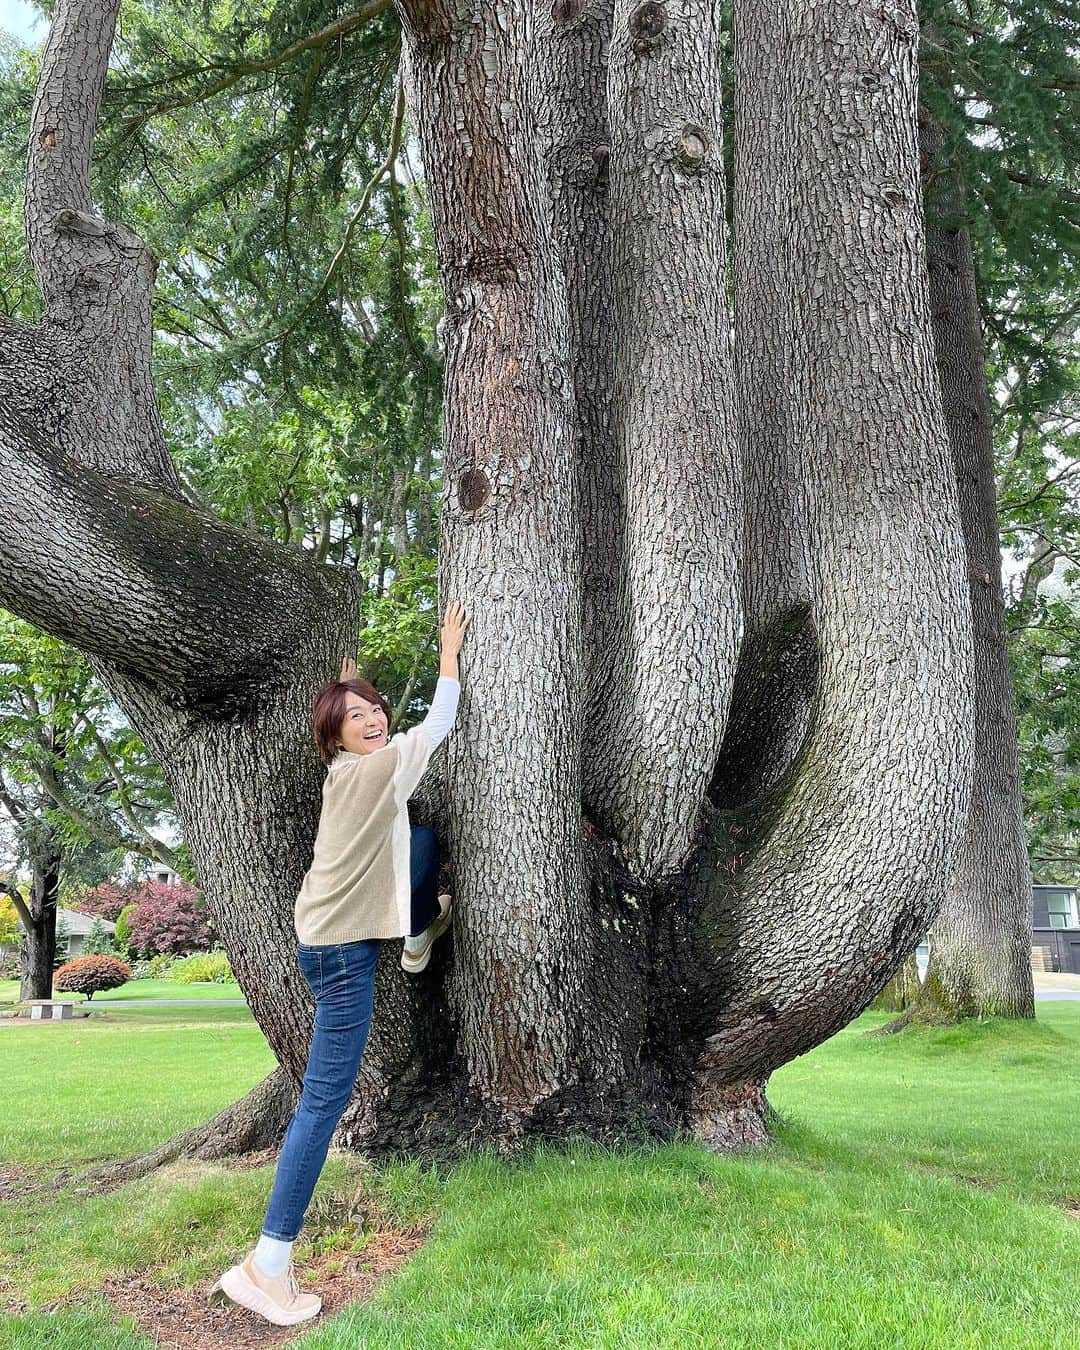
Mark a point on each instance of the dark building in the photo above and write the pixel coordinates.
(1055, 927)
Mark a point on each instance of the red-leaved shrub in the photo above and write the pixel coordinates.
(168, 919)
(164, 918)
(104, 901)
(90, 974)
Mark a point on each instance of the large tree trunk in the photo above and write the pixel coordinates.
(980, 943)
(648, 919)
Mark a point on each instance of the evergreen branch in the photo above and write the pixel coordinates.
(1025, 180)
(340, 28)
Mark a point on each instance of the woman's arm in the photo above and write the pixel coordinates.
(443, 708)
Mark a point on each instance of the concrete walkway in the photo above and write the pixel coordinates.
(1054, 988)
(163, 1003)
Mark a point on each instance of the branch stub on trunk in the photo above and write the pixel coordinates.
(647, 24)
(474, 489)
(692, 147)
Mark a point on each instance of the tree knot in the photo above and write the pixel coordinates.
(647, 24)
(70, 221)
(691, 147)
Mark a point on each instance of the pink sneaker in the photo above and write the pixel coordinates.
(277, 1299)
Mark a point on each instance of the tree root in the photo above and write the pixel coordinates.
(256, 1121)
(731, 1117)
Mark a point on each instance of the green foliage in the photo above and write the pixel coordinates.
(160, 966)
(89, 975)
(63, 941)
(10, 927)
(98, 942)
(202, 968)
(79, 774)
(123, 927)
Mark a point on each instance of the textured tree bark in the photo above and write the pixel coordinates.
(674, 428)
(102, 550)
(864, 825)
(38, 947)
(980, 943)
(644, 925)
(776, 681)
(523, 991)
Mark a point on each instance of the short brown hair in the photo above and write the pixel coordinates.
(328, 712)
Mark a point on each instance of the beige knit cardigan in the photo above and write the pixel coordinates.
(358, 884)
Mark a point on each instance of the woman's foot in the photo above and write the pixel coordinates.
(417, 951)
(274, 1297)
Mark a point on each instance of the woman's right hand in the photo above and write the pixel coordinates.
(454, 623)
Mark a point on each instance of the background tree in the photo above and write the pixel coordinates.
(999, 149)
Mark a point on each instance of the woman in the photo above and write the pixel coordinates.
(369, 880)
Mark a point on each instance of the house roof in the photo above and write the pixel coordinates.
(78, 922)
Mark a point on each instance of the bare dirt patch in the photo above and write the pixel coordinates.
(183, 1319)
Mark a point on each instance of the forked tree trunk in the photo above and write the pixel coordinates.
(980, 943)
(646, 923)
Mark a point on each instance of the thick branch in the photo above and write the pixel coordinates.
(12, 891)
(676, 626)
(64, 117)
(199, 609)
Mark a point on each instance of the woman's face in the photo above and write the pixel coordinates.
(364, 726)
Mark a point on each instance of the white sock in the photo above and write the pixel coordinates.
(415, 944)
(272, 1256)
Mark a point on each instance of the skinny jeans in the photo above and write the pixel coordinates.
(341, 977)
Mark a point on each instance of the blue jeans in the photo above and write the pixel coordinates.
(342, 979)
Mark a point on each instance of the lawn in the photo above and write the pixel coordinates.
(138, 990)
(923, 1192)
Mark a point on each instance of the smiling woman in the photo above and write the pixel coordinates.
(370, 879)
(350, 715)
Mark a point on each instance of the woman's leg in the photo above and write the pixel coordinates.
(423, 873)
(342, 979)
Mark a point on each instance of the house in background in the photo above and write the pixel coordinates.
(78, 926)
(162, 874)
(1055, 929)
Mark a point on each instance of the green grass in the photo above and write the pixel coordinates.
(916, 1197)
(139, 990)
(121, 1081)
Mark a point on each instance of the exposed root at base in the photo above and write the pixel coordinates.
(254, 1123)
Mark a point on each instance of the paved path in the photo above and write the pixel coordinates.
(163, 1003)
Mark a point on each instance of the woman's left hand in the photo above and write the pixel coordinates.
(348, 670)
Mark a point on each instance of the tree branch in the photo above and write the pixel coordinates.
(151, 847)
(64, 118)
(104, 563)
(10, 889)
(314, 41)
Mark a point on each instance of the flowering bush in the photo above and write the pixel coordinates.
(203, 967)
(90, 974)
